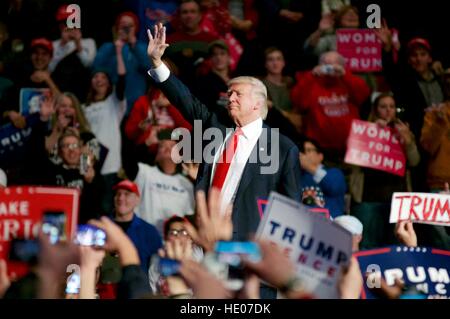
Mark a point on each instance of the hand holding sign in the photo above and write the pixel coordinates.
(404, 231)
(4, 279)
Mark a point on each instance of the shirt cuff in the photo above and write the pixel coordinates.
(159, 74)
(319, 175)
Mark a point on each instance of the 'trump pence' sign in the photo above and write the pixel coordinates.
(318, 247)
(423, 208)
(426, 269)
(361, 49)
(370, 145)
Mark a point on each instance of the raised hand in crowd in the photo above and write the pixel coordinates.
(351, 281)
(446, 189)
(91, 259)
(276, 268)
(333, 70)
(405, 233)
(52, 266)
(212, 224)
(439, 112)
(17, 119)
(406, 136)
(203, 283)
(117, 241)
(134, 282)
(4, 279)
(291, 16)
(156, 44)
(385, 35)
(190, 170)
(176, 249)
(47, 108)
(385, 291)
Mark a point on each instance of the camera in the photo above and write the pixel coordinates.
(226, 262)
(327, 69)
(54, 225)
(85, 163)
(24, 250)
(168, 267)
(88, 235)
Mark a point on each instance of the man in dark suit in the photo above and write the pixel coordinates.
(241, 167)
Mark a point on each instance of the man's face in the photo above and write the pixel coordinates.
(220, 59)
(70, 151)
(420, 60)
(125, 202)
(275, 62)
(165, 150)
(190, 15)
(242, 105)
(311, 154)
(40, 58)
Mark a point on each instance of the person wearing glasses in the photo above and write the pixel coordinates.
(178, 245)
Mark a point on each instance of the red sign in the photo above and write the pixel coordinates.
(361, 49)
(421, 208)
(370, 145)
(21, 210)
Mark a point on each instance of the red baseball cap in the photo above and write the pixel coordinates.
(44, 43)
(127, 185)
(419, 42)
(62, 14)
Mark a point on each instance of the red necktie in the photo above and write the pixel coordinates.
(223, 164)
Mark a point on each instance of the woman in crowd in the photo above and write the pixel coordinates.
(104, 110)
(372, 189)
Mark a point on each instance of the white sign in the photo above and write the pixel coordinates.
(318, 247)
(423, 208)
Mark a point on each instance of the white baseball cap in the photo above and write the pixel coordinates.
(350, 223)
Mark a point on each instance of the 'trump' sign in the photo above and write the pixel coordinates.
(318, 247)
(376, 147)
(425, 269)
(423, 208)
(361, 49)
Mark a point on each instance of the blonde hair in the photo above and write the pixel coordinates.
(259, 91)
(81, 119)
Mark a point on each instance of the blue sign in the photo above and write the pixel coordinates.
(13, 141)
(30, 100)
(424, 269)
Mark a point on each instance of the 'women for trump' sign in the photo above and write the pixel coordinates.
(370, 145)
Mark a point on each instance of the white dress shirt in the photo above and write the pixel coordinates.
(247, 141)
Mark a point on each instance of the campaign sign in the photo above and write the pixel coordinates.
(30, 100)
(426, 270)
(360, 48)
(425, 208)
(21, 211)
(372, 146)
(13, 141)
(318, 247)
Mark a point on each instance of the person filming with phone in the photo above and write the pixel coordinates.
(329, 97)
(76, 168)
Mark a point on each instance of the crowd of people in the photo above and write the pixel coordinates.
(111, 112)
